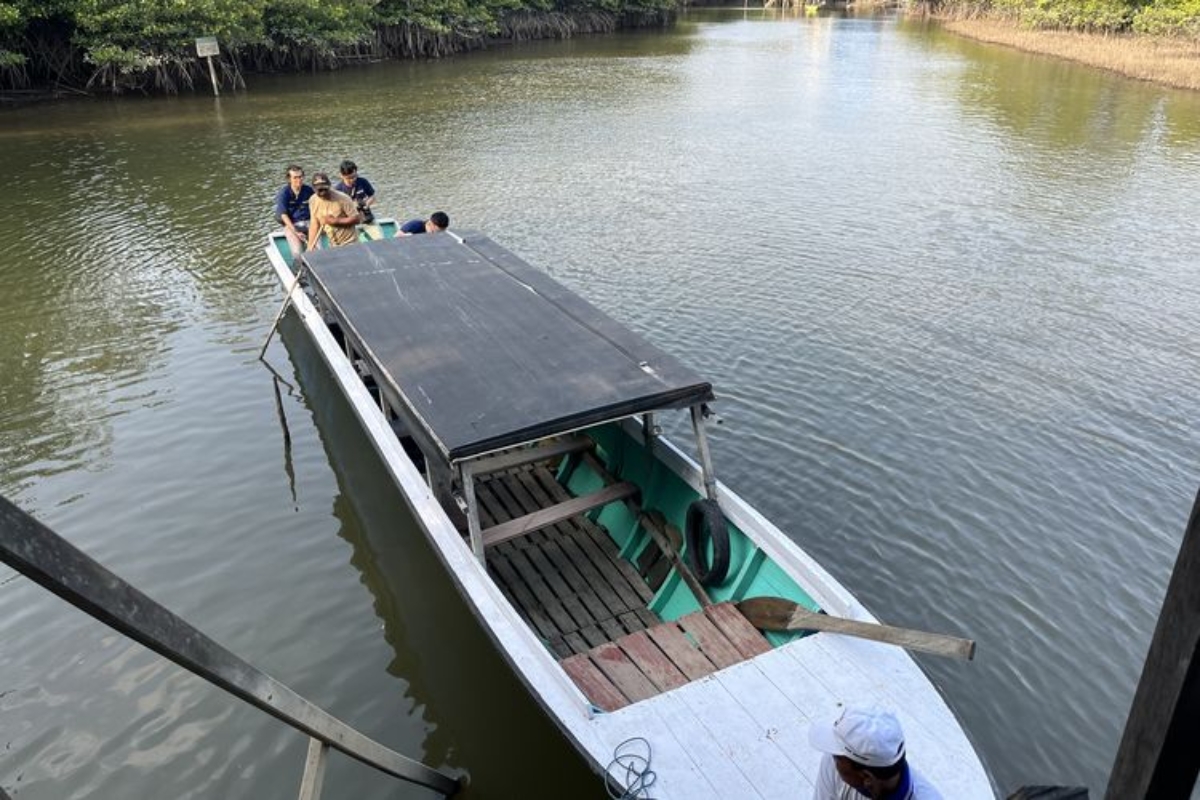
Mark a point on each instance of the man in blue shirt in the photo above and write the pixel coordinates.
(438, 221)
(358, 188)
(291, 209)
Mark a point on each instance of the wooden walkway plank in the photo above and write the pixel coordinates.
(516, 499)
(649, 618)
(561, 648)
(613, 662)
(603, 545)
(746, 745)
(575, 579)
(613, 628)
(683, 654)
(593, 635)
(632, 622)
(499, 506)
(606, 561)
(552, 541)
(712, 642)
(592, 682)
(710, 758)
(545, 596)
(773, 711)
(651, 661)
(678, 773)
(566, 595)
(744, 636)
(513, 587)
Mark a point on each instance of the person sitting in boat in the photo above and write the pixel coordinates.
(333, 214)
(291, 208)
(864, 757)
(437, 222)
(358, 188)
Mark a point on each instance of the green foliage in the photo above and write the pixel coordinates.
(164, 25)
(1091, 15)
(317, 24)
(1169, 18)
(1158, 17)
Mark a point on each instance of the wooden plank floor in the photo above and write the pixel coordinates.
(567, 581)
(589, 604)
(669, 655)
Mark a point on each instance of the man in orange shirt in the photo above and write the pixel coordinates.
(333, 213)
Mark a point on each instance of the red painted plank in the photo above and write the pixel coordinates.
(712, 642)
(682, 653)
(591, 681)
(651, 661)
(624, 674)
(745, 637)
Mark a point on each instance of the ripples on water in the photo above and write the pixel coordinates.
(945, 306)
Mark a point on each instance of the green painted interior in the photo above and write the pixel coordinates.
(389, 228)
(751, 573)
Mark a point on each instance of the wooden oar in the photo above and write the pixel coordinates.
(778, 614)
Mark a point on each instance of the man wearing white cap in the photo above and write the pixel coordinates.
(865, 758)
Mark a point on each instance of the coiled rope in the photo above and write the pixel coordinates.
(628, 776)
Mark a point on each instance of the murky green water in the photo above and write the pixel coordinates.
(947, 292)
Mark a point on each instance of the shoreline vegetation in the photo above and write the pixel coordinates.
(52, 48)
(1150, 40)
(1170, 61)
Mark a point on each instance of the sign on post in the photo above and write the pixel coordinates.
(207, 47)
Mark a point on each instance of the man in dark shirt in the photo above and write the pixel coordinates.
(358, 188)
(438, 221)
(291, 209)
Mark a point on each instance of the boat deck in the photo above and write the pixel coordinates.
(589, 604)
(568, 581)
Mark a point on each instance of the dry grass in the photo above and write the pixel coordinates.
(1174, 62)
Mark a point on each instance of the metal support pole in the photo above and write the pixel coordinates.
(706, 465)
(650, 430)
(287, 301)
(467, 477)
(212, 73)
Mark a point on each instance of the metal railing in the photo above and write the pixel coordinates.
(46, 558)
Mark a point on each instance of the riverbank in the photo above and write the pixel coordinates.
(1173, 62)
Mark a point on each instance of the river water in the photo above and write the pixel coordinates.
(947, 293)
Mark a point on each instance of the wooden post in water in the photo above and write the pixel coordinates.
(1157, 757)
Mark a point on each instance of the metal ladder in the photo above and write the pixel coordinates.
(46, 558)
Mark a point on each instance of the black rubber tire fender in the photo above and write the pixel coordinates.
(704, 517)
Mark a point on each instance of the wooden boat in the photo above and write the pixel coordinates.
(519, 423)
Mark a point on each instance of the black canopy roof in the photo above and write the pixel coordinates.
(487, 352)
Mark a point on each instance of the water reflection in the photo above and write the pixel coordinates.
(1063, 105)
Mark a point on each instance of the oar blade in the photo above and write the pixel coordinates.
(768, 613)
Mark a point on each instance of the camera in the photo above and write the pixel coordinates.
(368, 216)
